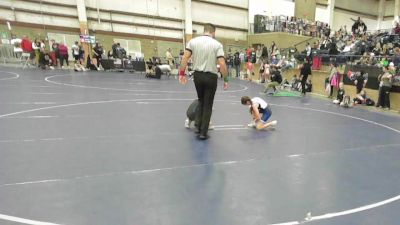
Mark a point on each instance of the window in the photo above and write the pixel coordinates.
(132, 47)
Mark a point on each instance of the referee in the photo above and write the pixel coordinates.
(206, 53)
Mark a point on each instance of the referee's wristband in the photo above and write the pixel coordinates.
(226, 79)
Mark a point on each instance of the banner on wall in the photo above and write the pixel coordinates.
(87, 39)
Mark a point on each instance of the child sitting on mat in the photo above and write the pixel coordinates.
(260, 112)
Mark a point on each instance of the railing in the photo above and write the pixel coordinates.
(7, 54)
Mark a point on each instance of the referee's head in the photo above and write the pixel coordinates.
(209, 29)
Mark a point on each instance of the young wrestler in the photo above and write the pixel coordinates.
(260, 112)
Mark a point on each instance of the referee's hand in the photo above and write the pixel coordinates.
(182, 80)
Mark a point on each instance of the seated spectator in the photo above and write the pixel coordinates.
(46, 62)
(26, 46)
(362, 99)
(295, 83)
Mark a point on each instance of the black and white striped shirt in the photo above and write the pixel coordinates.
(205, 52)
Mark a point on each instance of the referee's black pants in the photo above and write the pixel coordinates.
(206, 86)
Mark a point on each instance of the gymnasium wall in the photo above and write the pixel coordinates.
(150, 21)
(283, 40)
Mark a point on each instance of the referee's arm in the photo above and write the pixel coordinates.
(222, 66)
(185, 60)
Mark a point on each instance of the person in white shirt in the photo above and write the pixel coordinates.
(260, 112)
(75, 51)
(16, 42)
(36, 48)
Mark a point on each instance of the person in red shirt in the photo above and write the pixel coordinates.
(63, 54)
(397, 29)
(26, 46)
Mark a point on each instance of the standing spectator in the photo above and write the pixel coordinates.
(237, 63)
(273, 49)
(55, 54)
(264, 54)
(242, 57)
(75, 51)
(98, 51)
(229, 63)
(249, 51)
(384, 91)
(360, 81)
(36, 49)
(258, 54)
(308, 51)
(63, 52)
(396, 29)
(305, 71)
(16, 42)
(332, 76)
(181, 52)
(206, 52)
(169, 57)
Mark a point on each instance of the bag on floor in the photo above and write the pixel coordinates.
(328, 88)
(192, 110)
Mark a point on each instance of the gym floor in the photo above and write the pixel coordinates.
(101, 148)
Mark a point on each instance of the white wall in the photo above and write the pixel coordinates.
(170, 8)
(364, 6)
(239, 3)
(219, 15)
(270, 8)
(344, 18)
(322, 14)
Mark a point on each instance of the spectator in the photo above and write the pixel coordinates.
(332, 76)
(75, 51)
(396, 29)
(264, 54)
(181, 52)
(63, 53)
(26, 46)
(258, 54)
(361, 79)
(308, 50)
(229, 63)
(385, 86)
(169, 57)
(36, 49)
(265, 75)
(98, 51)
(120, 52)
(237, 63)
(16, 42)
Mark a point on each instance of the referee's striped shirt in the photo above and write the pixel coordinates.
(205, 52)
